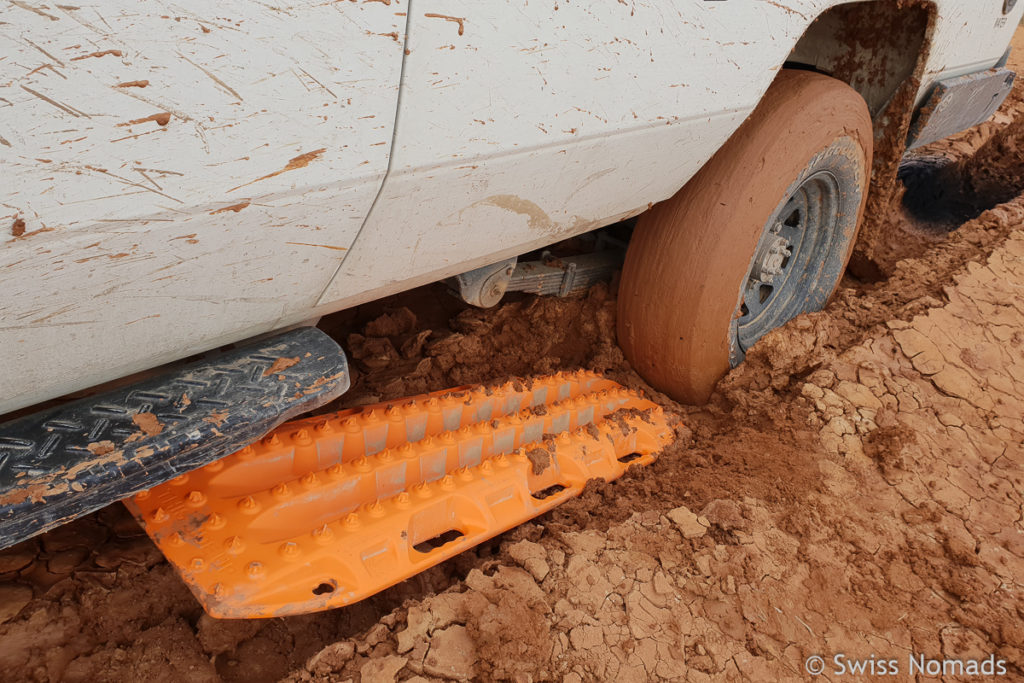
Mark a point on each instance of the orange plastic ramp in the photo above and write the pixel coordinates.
(326, 511)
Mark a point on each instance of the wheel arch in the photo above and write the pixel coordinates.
(879, 48)
(847, 43)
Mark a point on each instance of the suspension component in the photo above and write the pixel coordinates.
(551, 275)
(328, 510)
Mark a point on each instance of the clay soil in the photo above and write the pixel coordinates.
(856, 487)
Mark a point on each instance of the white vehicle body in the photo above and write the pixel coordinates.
(181, 176)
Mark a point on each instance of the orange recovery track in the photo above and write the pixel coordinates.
(328, 510)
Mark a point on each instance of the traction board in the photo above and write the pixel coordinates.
(328, 510)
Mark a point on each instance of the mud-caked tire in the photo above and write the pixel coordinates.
(761, 234)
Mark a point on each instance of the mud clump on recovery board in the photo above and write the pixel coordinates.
(540, 459)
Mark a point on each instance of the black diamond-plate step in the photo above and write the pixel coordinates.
(65, 462)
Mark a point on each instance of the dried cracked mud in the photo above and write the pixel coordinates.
(856, 487)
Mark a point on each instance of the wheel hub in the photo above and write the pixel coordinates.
(772, 258)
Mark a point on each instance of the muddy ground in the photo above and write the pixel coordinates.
(857, 487)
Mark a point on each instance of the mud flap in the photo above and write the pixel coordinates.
(329, 510)
(956, 104)
(62, 463)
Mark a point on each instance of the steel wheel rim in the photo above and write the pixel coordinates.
(794, 245)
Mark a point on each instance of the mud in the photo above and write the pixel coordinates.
(161, 119)
(855, 487)
(148, 423)
(280, 364)
(540, 460)
(943, 185)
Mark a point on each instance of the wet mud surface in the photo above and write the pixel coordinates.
(856, 487)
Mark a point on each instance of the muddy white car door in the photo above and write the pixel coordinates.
(177, 178)
(523, 123)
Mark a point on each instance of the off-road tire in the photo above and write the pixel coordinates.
(692, 260)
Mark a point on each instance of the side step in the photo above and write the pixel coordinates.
(65, 462)
(329, 510)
